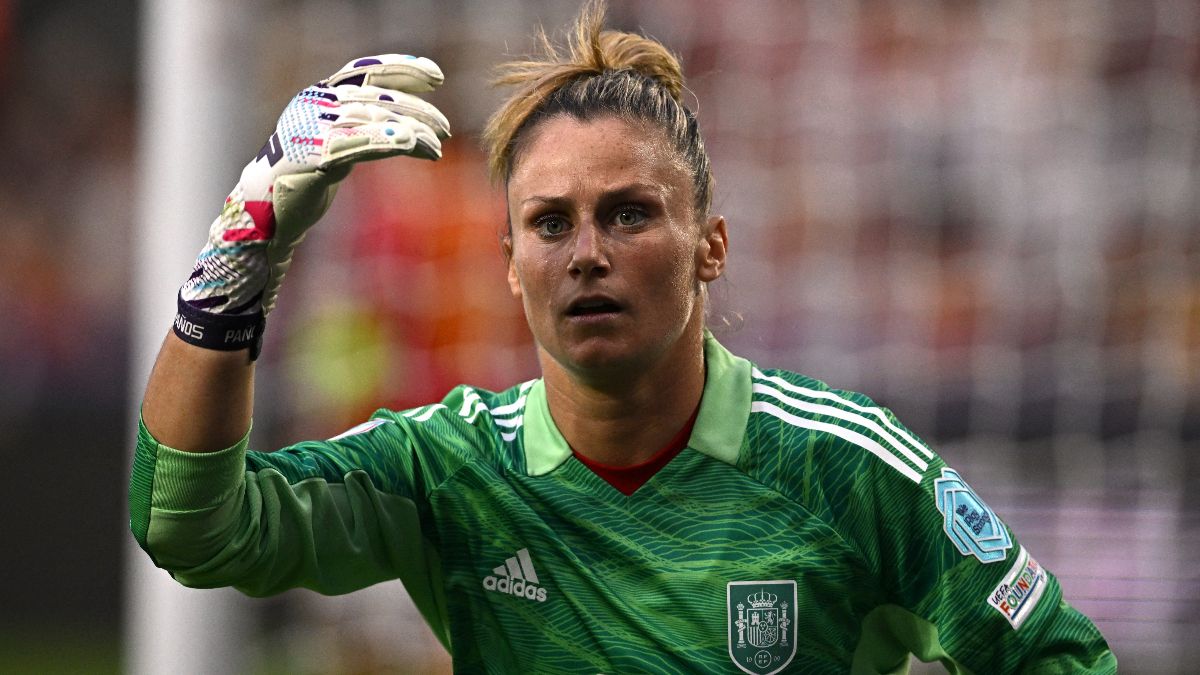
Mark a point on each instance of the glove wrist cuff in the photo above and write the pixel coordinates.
(220, 332)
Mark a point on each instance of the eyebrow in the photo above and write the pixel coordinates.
(541, 200)
(607, 195)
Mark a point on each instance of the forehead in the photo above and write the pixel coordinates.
(562, 154)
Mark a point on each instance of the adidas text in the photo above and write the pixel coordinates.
(516, 587)
(516, 577)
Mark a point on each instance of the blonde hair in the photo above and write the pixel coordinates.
(602, 72)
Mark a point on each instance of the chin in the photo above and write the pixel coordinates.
(598, 355)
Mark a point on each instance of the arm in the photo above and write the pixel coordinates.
(967, 593)
(200, 504)
(189, 383)
(957, 587)
(332, 516)
(199, 397)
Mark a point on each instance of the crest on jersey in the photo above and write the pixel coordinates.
(762, 625)
(971, 525)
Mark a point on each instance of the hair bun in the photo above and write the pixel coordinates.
(615, 50)
(593, 56)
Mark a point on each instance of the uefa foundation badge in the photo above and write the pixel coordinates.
(762, 625)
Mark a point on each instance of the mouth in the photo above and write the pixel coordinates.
(595, 306)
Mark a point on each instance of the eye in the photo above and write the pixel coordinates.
(629, 216)
(551, 226)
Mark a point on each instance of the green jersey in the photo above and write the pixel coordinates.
(803, 529)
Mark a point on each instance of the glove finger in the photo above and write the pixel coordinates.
(397, 102)
(353, 115)
(413, 74)
(376, 140)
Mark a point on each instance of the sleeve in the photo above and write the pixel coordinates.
(332, 516)
(957, 586)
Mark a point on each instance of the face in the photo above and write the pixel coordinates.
(607, 253)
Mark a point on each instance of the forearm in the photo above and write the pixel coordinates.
(200, 397)
(199, 400)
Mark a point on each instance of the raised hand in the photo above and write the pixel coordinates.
(365, 111)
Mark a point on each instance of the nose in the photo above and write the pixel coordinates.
(588, 255)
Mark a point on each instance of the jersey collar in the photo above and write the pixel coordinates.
(720, 424)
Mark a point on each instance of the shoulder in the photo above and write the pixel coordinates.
(470, 423)
(819, 444)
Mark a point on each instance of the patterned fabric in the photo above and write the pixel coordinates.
(798, 532)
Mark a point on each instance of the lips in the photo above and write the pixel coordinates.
(594, 305)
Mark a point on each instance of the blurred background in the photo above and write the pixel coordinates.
(984, 214)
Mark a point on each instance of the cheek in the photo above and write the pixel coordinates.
(685, 262)
(527, 281)
(674, 274)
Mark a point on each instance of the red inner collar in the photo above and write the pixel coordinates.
(628, 479)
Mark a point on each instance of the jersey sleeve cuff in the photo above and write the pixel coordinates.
(192, 481)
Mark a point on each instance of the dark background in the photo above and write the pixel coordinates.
(68, 73)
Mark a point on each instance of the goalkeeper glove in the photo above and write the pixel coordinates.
(362, 112)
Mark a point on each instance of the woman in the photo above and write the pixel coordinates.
(652, 503)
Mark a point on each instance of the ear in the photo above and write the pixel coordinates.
(711, 252)
(514, 282)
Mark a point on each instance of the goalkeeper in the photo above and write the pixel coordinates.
(652, 502)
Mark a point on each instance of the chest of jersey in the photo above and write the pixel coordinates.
(699, 570)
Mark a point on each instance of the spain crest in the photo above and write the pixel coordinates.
(762, 625)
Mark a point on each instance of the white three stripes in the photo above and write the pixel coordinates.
(852, 436)
(831, 411)
(473, 405)
(423, 413)
(830, 396)
(905, 450)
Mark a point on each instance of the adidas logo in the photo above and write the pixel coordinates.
(516, 577)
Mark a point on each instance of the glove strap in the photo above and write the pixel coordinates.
(221, 332)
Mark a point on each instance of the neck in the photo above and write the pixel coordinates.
(622, 419)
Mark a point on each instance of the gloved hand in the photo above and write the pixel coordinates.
(362, 112)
